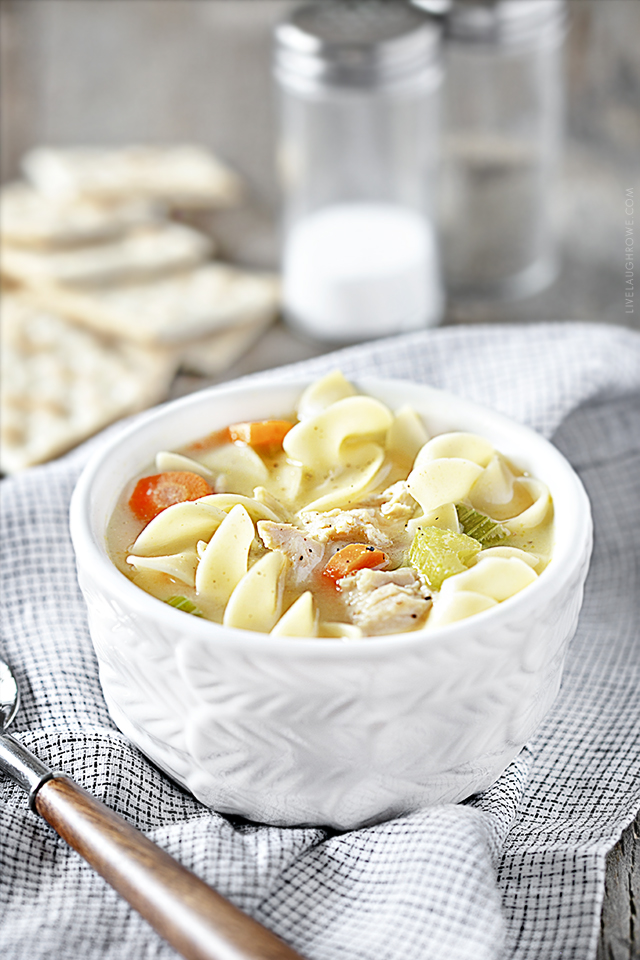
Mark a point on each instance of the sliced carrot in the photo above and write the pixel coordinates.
(355, 556)
(154, 494)
(260, 433)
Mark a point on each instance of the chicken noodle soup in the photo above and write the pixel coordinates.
(346, 520)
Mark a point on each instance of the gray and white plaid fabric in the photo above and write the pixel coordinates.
(517, 872)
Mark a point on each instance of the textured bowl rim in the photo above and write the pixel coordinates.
(567, 557)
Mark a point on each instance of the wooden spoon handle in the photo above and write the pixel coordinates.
(198, 922)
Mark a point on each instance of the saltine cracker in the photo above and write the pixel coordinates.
(28, 218)
(171, 309)
(144, 252)
(61, 383)
(183, 175)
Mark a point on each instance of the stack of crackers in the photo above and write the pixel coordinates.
(105, 295)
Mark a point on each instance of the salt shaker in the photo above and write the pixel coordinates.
(503, 121)
(359, 96)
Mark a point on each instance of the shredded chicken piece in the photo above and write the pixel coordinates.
(383, 524)
(303, 551)
(362, 525)
(396, 503)
(386, 601)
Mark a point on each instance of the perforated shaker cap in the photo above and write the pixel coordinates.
(505, 22)
(356, 43)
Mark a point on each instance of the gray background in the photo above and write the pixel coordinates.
(118, 71)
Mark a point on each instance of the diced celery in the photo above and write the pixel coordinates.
(182, 603)
(438, 554)
(478, 525)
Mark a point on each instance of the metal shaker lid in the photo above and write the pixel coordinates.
(503, 22)
(356, 43)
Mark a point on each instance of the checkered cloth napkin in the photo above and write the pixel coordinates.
(517, 872)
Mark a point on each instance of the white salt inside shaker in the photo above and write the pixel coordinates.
(359, 270)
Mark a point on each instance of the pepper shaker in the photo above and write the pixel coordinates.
(359, 89)
(503, 122)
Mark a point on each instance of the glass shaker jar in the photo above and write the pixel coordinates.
(358, 154)
(503, 122)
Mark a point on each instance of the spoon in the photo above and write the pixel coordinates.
(198, 922)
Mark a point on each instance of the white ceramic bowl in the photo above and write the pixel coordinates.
(291, 731)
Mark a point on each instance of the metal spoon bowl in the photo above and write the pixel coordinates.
(9, 696)
(198, 922)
